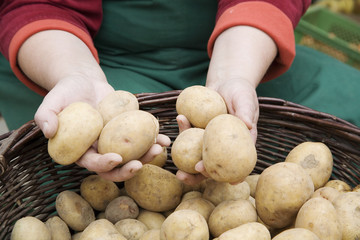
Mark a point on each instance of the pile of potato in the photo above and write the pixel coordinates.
(293, 199)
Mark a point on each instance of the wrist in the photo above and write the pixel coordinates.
(242, 52)
(49, 56)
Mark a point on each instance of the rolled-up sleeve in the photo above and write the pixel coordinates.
(21, 19)
(277, 18)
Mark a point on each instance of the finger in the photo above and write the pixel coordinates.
(253, 133)
(183, 123)
(163, 140)
(189, 179)
(46, 119)
(201, 168)
(93, 161)
(122, 174)
(155, 150)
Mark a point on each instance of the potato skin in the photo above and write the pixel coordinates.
(319, 216)
(30, 228)
(152, 234)
(154, 188)
(231, 214)
(247, 231)
(160, 160)
(116, 103)
(98, 192)
(316, 158)
(184, 224)
(347, 206)
(152, 220)
(217, 192)
(74, 210)
(280, 192)
(328, 193)
(200, 104)
(252, 181)
(58, 229)
(339, 185)
(296, 234)
(79, 126)
(186, 149)
(131, 229)
(120, 208)
(201, 205)
(229, 152)
(101, 229)
(129, 134)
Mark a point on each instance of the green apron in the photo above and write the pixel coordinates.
(160, 45)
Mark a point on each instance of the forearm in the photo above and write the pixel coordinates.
(243, 53)
(49, 56)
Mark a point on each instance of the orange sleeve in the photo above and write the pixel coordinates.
(34, 27)
(269, 19)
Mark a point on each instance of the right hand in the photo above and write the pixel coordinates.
(79, 88)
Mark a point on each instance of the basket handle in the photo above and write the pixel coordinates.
(9, 142)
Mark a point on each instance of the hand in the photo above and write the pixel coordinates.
(92, 92)
(241, 100)
(241, 57)
(190, 179)
(187, 178)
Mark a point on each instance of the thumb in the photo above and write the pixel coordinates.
(47, 121)
(46, 116)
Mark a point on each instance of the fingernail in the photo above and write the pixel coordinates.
(45, 127)
(248, 122)
(198, 168)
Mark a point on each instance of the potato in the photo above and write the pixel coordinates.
(339, 185)
(154, 188)
(296, 234)
(101, 229)
(280, 192)
(190, 195)
(58, 229)
(217, 192)
(152, 220)
(184, 224)
(347, 206)
(252, 200)
(201, 205)
(252, 181)
(121, 208)
(167, 213)
(315, 158)
(229, 153)
(101, 215)
(200, 104)
(152, 234)
(231, 214)
(116, 103)
(186, 150)
(160, 160)
(76, 236)
(131, 229)
(356, 189)
(74, 210)
(247, 231)
(98, 192)
(196, 187)
(328, 193)
(79, 126)
(130, 134)
(30, 228)
(319, 216)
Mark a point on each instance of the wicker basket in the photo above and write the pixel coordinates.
(30, 180)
